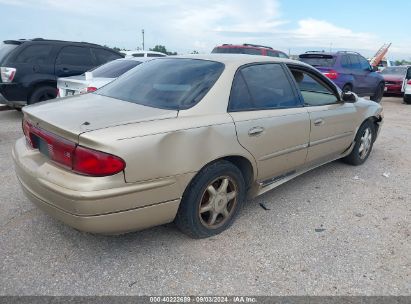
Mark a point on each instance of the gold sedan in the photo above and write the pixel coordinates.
(187, 139)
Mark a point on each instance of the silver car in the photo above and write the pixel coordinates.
(96, 78)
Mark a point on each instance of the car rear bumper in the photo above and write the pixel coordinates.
(393, 89)
(105, 205)
(13, 94)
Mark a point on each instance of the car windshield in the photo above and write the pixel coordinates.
(166, 83)
(321, 60)
(395, 71)
(5, 49)
(114, 69)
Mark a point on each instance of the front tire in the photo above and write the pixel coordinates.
(407, 99)
(379, 93)
(212, 201)
(364, 141)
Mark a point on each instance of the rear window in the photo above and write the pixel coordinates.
(318, 59)
(114, 69)
(395, 71)
(166, 83)
(5, 49)
(155, 55)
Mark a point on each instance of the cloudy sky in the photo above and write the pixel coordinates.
(184, 26)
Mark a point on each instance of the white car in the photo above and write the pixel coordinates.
(129, 54)
(96, 78)
(406, 86)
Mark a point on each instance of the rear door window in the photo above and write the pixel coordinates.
(345, 62)
(273, 54)
(104, 56)
(322, 60)
(260, 87)
(252, 51)
(75, 56)
(355, 62)
(35, 54)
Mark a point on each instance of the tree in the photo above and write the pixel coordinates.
(162, 49)
(195, 52)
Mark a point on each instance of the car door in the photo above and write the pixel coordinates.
(270, 120)
(73, 60)
(358, 74)
(332, 122)
(370, 79)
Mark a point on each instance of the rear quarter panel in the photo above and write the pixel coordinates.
(169, 147)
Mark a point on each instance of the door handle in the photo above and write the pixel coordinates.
(318, 122)
(255, 131)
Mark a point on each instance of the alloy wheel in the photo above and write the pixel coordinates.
(218, 202)
(365, 143)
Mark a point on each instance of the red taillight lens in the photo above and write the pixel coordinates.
(7, 74)
(80, 159)
(409, 81)
(55, 147)
(96, 163)
(91, 89)
(331, 74)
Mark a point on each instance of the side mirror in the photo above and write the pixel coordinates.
(349, 97)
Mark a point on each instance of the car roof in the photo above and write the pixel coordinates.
(141, 52)
(236, 59)
(247, 46)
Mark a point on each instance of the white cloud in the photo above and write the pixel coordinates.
(184, 25)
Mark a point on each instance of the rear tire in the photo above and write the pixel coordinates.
(212, 201)
(379, 93)
(407, 99)
(42, 93)
(364, 141)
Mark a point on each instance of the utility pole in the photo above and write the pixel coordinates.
(142, 31)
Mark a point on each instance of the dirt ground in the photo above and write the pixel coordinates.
(337, 230)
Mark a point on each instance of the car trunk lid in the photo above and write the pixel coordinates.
(72, 116)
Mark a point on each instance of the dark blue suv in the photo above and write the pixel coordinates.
(350, 71)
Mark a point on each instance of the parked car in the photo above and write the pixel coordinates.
(96, 78)
(394, 78)
(349, 70)
(129, 54)
(249, 49)
(30, 68)
(407, 86)
(187, 139)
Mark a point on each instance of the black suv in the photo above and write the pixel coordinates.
(30, 68)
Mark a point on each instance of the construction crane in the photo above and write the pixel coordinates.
(380, 54)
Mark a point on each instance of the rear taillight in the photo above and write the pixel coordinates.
(96, 163)
(7, 74)
(80, 159)
(332, 74)
(91, 89)
(88, 90)
(409, 81)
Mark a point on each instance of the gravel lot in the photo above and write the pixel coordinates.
(337, 230)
